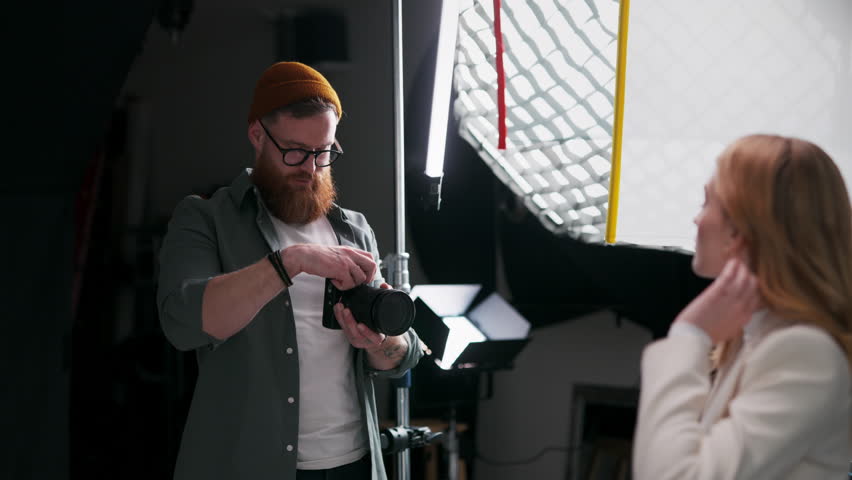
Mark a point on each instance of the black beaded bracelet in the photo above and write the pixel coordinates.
(275, 259)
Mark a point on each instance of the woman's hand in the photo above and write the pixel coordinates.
(724, 307)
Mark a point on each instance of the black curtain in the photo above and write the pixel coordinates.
(65, 65)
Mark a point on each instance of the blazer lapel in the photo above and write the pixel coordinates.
(728, 379)
(723, 390)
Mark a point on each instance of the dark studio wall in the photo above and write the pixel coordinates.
(178, 127)
(66, 78)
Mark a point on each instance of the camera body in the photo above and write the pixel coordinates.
(382, 310)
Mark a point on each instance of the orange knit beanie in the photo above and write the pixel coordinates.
(285, 83)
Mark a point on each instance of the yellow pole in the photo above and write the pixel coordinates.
(617, 128)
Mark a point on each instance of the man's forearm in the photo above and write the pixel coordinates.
(389, 354)
(232, 300)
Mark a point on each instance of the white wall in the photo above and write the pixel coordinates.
(531, 407)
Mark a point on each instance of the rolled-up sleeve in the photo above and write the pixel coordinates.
(189, 258)
(412, 357)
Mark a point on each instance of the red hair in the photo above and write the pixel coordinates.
(788, 200)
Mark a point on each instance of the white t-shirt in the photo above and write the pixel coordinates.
(330, 420)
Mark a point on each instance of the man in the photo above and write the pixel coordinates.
(245, 281)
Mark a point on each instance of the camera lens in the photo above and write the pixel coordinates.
(383, 310)
(393, 312)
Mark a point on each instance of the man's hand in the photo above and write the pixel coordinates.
(724, 307)
(383, 352)
(347, 267)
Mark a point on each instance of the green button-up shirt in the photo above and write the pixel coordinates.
(240, 424)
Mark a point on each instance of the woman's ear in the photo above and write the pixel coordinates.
(738, 248)
(736, 243)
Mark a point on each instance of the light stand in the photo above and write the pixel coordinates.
(398, 262)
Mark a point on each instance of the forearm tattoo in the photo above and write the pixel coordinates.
(396, 351)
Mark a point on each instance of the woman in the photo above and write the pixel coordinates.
(773, 401)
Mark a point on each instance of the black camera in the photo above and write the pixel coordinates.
(383, 310)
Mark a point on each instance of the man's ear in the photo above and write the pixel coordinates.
(255, 135)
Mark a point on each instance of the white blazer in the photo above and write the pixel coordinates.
(779, 410)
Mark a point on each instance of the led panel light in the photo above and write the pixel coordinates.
(467, 335)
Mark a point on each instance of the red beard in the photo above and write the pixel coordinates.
(293, 203)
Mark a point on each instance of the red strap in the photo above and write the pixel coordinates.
(501, 80)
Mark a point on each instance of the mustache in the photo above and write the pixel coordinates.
(303, 176)
(312, 182)
(291, 203)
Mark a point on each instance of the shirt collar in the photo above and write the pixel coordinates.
(241, 186)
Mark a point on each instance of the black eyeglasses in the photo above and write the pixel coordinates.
(297, 156)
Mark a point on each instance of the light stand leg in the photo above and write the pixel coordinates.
(398, 275)
(452, 445)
